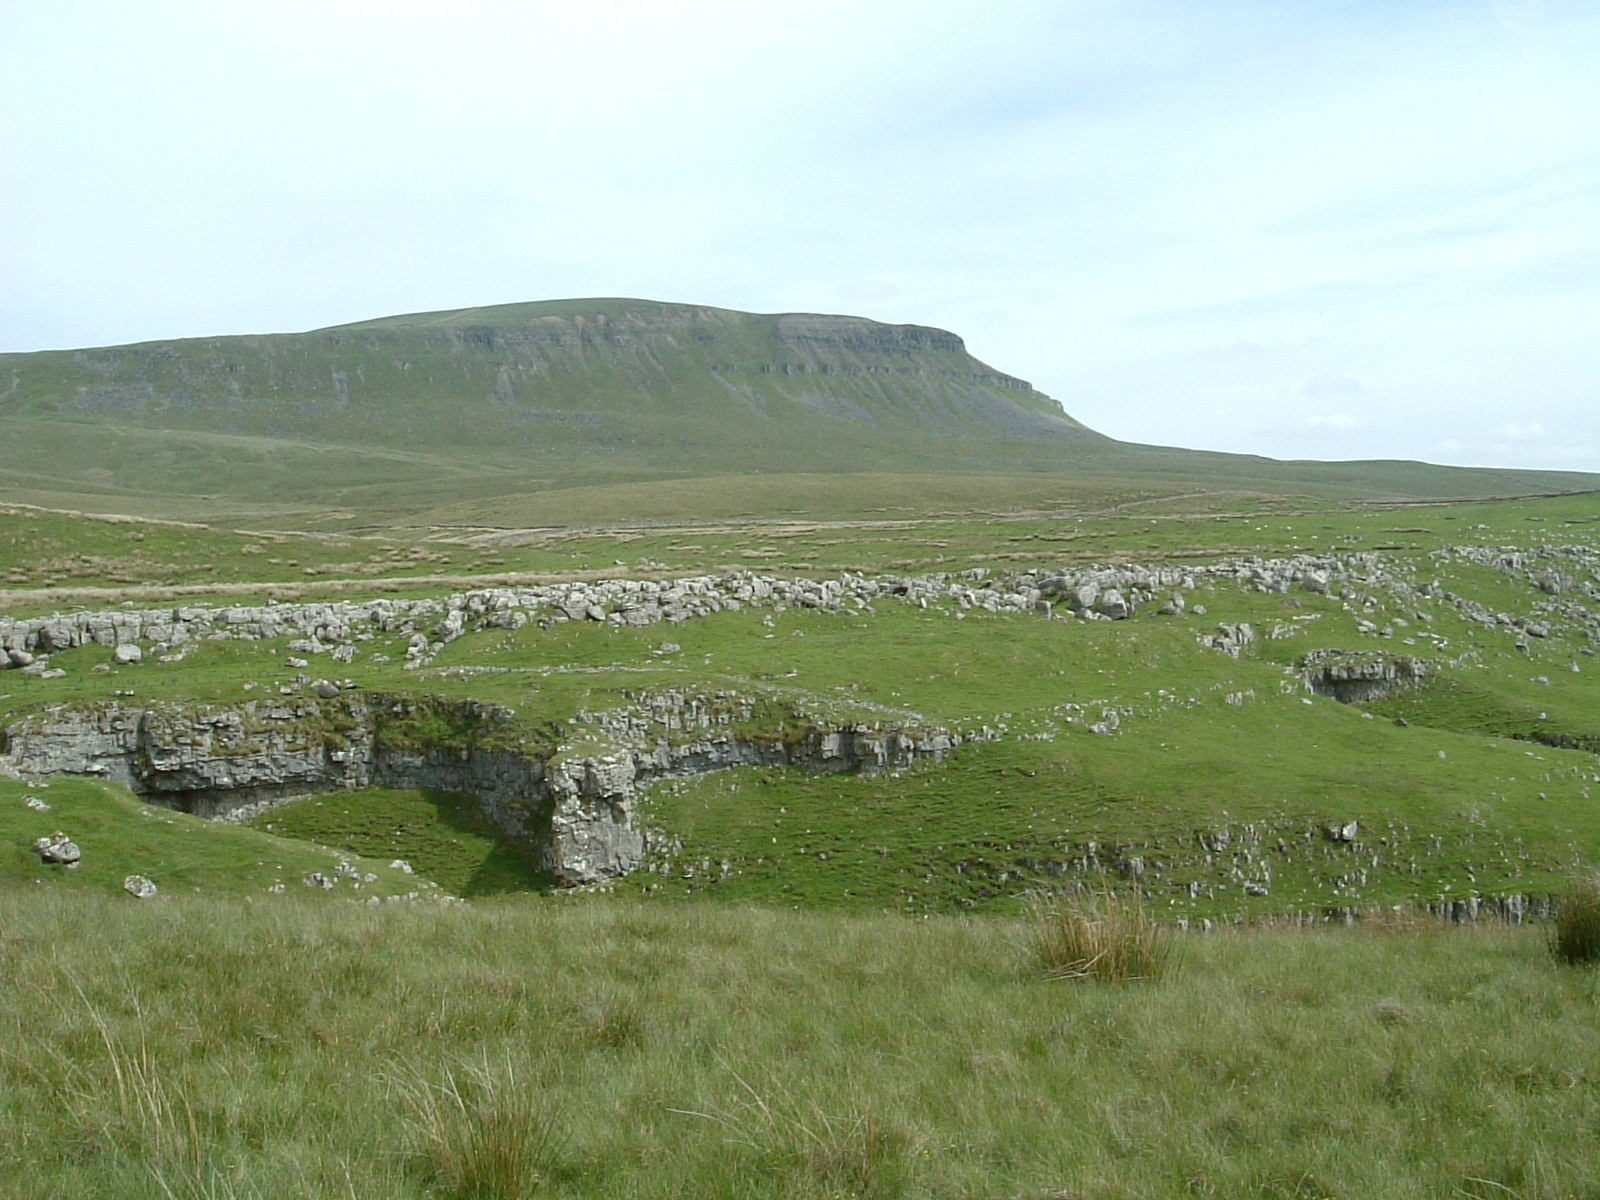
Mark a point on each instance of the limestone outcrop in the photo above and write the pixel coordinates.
(1357, 677)
(337, 628)
(576, 802)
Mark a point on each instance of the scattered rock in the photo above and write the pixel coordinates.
(1315, 581)
(58, 848)
(1231, 637)
(139, 887)
(1112, 603)
(1082, 597)
(1345, 832)
(126, 654)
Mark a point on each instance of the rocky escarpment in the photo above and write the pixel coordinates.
(575, 801)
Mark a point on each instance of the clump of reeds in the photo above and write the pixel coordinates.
(1575, 933)
(1100, 934)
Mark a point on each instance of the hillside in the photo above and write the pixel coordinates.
(1276, 710)
(527, 377)
(783, 788)
(572, 412)
(503, 399)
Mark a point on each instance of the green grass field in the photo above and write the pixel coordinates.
(205, 1047)
(182, 854)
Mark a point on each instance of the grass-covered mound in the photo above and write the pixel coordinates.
(182, 854)
(205, 1047)
(444, 836)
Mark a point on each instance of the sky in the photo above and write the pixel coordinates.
(1302, 228)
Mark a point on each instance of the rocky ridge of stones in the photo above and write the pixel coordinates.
(1092, 593)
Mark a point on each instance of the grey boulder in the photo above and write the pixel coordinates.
(58, 848)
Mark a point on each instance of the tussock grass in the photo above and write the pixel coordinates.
(1100, 934)
(851, 1151)
(483, 1130)
(1575, 933)
(128, 1097)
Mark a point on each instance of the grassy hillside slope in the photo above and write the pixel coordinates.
(1480, 781)
(530, 414)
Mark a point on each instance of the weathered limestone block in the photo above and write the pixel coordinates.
(1357, 677)
(58, 848)
(1231, 637)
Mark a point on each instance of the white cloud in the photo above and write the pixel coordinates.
(1331, 385)
(1335, 423)
(1530, 431)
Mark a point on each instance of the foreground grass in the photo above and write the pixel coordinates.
(209, 1047)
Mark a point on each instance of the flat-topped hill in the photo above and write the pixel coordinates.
(597, 373)
(515, 414)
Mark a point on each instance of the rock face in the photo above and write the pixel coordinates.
(1353, 678)
(575, 802)
(1231, 637)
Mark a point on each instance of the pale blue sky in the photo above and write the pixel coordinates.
(1324, 230)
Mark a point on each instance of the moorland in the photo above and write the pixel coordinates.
(639, 733)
